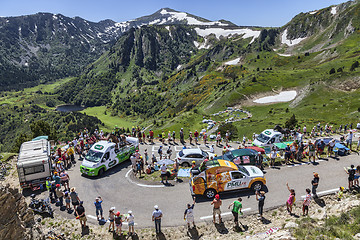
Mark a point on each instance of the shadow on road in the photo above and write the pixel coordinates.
(221, 228)
(265, 221)
(228, 195)
(194, 234)
(85, 231)
(160, 236)
(320, 202)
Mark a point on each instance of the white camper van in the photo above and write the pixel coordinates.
(34, 164)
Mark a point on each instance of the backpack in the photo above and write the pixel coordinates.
(159, 151)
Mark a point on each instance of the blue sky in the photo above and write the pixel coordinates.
(269, 13)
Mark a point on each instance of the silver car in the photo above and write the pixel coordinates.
(186, 156)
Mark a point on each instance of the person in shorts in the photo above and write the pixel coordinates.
(131, 222)
(118, 222)
(98, 207)
(216, 209)
(189, 214)
(351, 172)
(331, 147)
(80, 214)
(311, 148)
(111, 219)
(75, 200)
(164, 174)
(237, 206)
(306, 203)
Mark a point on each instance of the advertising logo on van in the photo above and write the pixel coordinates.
(99, 147)
(237, 184)
(267, 132)
(227, 163)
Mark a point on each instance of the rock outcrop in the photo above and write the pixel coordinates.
(17, 220)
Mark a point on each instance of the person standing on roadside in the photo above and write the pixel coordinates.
(151, 135)
(291, 200)
(315, 184)
(304, 130)
(98, 207)
(156, 217)
(331, 147)
(205, 138)
(64, 179)
(75, 200)
(260, 197)
(236, 210)
(189, 214)
(190, 138)
(173, 137)
(273, 155)
(130, 220)
(306, 203)
(349, 139)
(111, 219)
(218, 139)
(80, 214)
(216, 208)
(351, 172)
(118, 222)
(311, 148)
(196, 135)
(160, 152)
(182, 136)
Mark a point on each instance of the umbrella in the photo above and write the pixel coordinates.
(166, 162)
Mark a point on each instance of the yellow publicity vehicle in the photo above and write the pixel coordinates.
(222, 175)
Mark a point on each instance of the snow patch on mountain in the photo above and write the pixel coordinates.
(313, 12)
(181, 16)
(333, 10)
(285, 40)
(218, 32)
(233, 62)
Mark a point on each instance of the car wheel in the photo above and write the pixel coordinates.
(257, 186)
(210, 193)
(185, 164)
(101, 172)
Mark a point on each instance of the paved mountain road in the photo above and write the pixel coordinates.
(117, 190)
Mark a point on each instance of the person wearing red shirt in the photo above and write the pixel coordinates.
(151, 133)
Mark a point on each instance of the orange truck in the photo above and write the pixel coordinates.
(222, 176)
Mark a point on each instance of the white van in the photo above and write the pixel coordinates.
(267, 137)
(103, 156)
(34, 164)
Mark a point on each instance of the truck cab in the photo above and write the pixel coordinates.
(267, 138)
(104, 155)
(33, 164)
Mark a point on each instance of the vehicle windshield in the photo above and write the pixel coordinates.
(93, 156)
(243, 170)
(262, 138)
(205, 154)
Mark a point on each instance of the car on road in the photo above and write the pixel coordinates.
(103, 155)
(267, 138)
(222, 176)
(187, 155)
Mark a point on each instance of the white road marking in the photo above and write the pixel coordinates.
(225, 214)
(139, 184)
(105, 220)
(324, 192)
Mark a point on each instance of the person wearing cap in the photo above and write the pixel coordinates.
(130, 220)
(193, 165)
(216, 208)
(156, 217)
(80, 214)
(260, 197)
(315, 184)
(137, 154)
(190, 137)
(56, 178)
(182, 135)
(111, 219)
(287, 154)
(189, 214)
(218, 139)
(98, 207)
(59, 194)
(75, 200)
(331, 147)
(306, 203)
(311, 148)
(118, 222)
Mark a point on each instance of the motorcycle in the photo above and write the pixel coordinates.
(41, 206)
